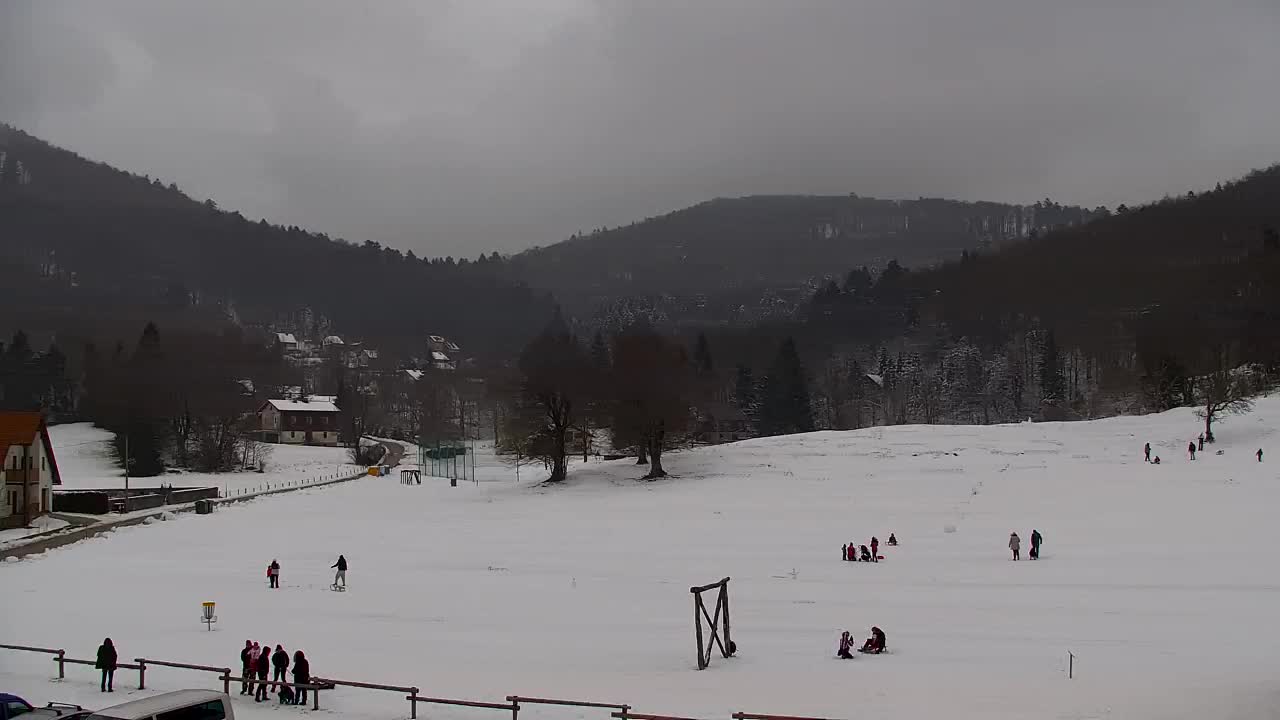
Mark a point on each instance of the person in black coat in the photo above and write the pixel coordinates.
(246, 666)
(107, 664)
(280, 661)
(341, 565)
(264, 672)
(301, 674)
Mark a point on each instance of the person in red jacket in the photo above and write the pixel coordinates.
(875, 549)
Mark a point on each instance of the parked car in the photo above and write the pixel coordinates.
(12, 706)
(176, 705)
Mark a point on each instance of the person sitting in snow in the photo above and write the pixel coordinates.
(287, 696)
(893, 541)
(1156, 460)
(874, 644)
(846, 646)
(866, 554)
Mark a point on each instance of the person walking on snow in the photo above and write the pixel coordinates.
(1191, 449)
(273, 573)
(1201, 448)
(280, 661)
(246, 667)
(1259, 454)
(846, 646)
(1015, 544)
(264, 672)
(107, 664)
(342, 571)
(844, 552)
(875, 549)
(1146, 453)
(1036, 539)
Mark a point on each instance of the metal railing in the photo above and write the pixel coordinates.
(621, 711)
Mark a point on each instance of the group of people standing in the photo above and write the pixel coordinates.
(853, 553)
(257, 662)
(1015, 544)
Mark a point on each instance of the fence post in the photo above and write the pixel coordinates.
(1071, 665)
(413, 704)
(62, 666)
(226, 681)
(315, 699)
(515, 710)
(142, 674)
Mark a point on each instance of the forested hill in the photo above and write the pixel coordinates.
(719, 256)
(94, 252)
(1184, 278)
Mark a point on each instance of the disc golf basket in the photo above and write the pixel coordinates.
(206, 615)
(717, 623)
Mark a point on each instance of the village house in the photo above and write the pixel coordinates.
(30, 469)
(304, 421)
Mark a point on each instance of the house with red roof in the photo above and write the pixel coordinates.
(29, 471)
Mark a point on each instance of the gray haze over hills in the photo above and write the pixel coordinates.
(468, 126)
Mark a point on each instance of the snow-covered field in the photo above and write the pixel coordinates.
(86, 460)
(1158, 578)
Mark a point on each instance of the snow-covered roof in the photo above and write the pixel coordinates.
(286, 339)
(298, 406)
(333, 340)
(435, 338)
(876, 379)
(439, 356)
(415, 374)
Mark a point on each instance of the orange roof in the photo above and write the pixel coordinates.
(18, 428)
(22, 428)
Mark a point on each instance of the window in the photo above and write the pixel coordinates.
(309, 419)
(325, 421)
(43, 464)
(17, 708)
(13, 498)
(212, 710)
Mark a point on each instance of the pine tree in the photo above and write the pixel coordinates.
(785, 407)
(702, 365)
(1053, 381)
(746, 397)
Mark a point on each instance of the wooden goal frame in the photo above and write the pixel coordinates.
(717, 623)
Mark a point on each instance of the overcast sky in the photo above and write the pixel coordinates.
(467, 126)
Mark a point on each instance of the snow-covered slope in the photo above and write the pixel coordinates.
(1158, 578)
(86, 460)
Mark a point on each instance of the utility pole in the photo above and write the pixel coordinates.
(126, 472)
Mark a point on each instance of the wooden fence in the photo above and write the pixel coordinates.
(620, 711)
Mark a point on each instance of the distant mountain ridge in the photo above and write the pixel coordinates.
(96, 251)
(713, 258)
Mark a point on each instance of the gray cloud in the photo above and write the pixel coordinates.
(463, 126)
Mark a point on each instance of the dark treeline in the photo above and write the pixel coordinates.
(85, 243)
